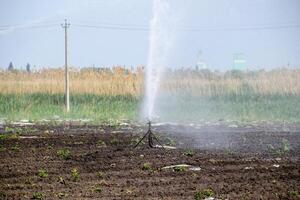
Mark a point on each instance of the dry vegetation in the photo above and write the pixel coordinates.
(120, 81)
(102, 82)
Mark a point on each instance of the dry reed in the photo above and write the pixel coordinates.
(120, 81)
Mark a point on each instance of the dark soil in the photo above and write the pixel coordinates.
(250, 162)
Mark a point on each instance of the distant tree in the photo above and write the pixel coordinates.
(28, 68)
(10, 67)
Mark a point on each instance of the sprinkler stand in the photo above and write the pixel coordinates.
(151, 136)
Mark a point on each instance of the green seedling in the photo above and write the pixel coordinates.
(282, 150)
(4, 136)
(114, 141)
(203, 194)
(146, 166)
(179, 169)
(2, 148)
(16, 131)
(42, 173)
(75, 175)
(37, 195)
(15, 147)
(98, 189)
(100, 174)
(64, 154)
(189, 153)
(101, 143)
(227, 151)
(294, 194)
(9, 136)
(285, 147)
(170, 141)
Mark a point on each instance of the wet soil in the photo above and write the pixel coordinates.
(249, 162)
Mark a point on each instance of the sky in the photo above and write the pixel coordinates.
(115, 32)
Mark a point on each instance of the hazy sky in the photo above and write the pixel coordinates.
(267, 32)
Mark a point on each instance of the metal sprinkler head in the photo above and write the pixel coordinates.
(149, 125)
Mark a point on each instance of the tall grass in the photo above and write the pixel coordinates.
(39, 106)
(114, 94)
(120, 81)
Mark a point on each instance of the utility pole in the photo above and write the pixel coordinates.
(66, 25)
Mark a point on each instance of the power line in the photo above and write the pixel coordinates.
(190, 29)
(111, 24)
(135, 27)
(7, 28)
(111, 27)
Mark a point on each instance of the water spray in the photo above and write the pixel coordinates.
(151, 136)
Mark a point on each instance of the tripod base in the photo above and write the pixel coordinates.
(151, 137)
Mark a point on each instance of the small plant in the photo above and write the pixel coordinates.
(270, 147)
(64, 154)
(100, 174)
(42, 173)
(101, 143)
(203, 194)
(189, 153)
(114, 141)
(283, 149)
(9, 130)
(179, 168)
(170, 141)
(15, 147)
(9, 136)
(3, 136)
(37, 195)
(2, 148)
(146, 166)
(227, 151)
(75, 174)
(16, 131)
(294, 194)
(98, 189)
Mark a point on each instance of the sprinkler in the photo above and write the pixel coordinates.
(151, 136)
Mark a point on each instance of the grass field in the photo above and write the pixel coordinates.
(116, 94)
